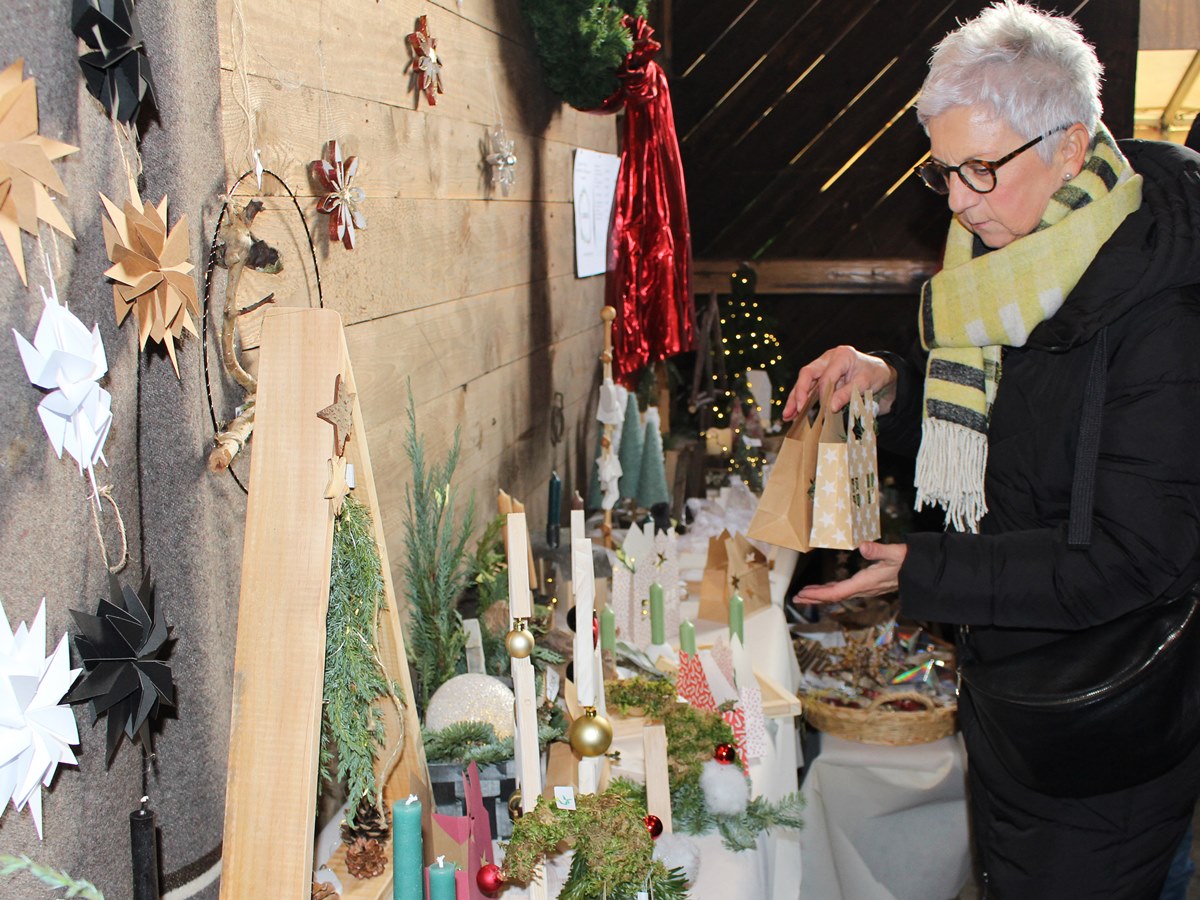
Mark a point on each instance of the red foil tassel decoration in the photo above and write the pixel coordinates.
(650, 252)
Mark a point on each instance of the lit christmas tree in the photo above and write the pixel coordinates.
(747, 342)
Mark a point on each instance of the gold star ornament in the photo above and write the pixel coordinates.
(26, 173)
(151, 272)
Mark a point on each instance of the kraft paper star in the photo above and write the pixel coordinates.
(26, 173)
(36, 730)
(340, 414)
(151, 270)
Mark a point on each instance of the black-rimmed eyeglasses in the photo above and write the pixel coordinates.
(977, 174)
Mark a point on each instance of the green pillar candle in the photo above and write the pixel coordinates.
(441, 880)
(658, 615)
(608, 629)
(687, 637)
(408, 876)
(737, 618)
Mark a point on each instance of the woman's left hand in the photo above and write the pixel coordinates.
(881, 578)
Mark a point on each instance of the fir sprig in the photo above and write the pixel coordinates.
(437, 567)
(54, 878)
(690, 815)
(354, 676)
(466, 742)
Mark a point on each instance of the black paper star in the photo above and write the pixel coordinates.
(116, 69)
(121, 649)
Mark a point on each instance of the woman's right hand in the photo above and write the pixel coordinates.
(844, 369)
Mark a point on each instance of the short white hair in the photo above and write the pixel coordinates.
(1034, 69)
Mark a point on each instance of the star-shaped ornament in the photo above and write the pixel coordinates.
(340, 414)
(337, 488)
(426, 64)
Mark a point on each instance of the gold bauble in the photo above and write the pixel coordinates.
(590, 734)
(519, 643)
(514, 805)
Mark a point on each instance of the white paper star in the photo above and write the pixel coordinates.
(67, 360)
(831, 455)
(829, 487)
(36, 731)
(839, 537)
(827, 519)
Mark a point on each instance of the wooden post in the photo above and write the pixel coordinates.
(607, 314)
(658, 781)
(280, 657)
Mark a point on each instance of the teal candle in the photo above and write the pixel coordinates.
(441, 880)
(687, 637)
(608, 629)
(408, 874)
(658, 615)
(737, 618)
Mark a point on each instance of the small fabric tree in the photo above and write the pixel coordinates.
(652, 482)
(630, 452)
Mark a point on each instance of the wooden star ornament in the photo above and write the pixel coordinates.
(340, 414)
(337, 488)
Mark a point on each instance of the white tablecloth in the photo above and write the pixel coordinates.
(885, 823)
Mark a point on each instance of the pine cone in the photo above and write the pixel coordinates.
(369, 822)
(323, 891)
(366, 858)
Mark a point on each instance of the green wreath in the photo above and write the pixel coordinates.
(582, 44)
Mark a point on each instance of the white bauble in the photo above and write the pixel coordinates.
(472, 698)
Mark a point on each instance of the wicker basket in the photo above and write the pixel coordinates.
(877, 724)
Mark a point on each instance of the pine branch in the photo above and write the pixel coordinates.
(437, 568)
(54, 878)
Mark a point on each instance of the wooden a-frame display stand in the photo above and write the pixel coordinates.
(279, 665)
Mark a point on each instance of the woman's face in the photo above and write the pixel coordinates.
(1024, 184)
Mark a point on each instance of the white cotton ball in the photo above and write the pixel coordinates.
(726, 788)
(678, 851)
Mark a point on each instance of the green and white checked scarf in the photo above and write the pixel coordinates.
(978, 304)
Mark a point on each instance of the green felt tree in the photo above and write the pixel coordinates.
(630, 451)
(437, 568)
(652, 482)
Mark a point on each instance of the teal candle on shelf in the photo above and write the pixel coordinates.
(687, 637)
(408, 873)
(608, 629)
(441, 880)
(737, 618)
(658, 615)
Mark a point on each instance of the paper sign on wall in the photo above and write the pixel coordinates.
(594, 188)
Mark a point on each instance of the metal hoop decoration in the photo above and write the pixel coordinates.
(208, 273)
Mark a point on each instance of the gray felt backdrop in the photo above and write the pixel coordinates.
(182, 521)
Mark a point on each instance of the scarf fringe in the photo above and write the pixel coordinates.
(950, 467)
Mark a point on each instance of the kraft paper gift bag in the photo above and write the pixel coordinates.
(846, 495)
(784, 514)
(733, 566)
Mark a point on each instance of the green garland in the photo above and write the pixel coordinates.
(54, 878)
(582, 44)
(690, 815)
(466, 742)
(437, 567)
(354, 677)
(613, 850)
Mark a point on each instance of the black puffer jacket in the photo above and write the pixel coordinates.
(1018, 583)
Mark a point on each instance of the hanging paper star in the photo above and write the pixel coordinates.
(122, 648)
(340, 414)
(341, 202)
(151, 270)
(36, 731)
(67, 360)
(426, 64)
(502, 160)
(116, 69)
(25, 166)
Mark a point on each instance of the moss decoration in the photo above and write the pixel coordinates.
(581, 44)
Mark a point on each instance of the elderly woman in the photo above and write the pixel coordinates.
(1066, 252)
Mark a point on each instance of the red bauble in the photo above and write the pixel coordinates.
(595, 630)
(489, 878)
(725, 754)
(653, 825)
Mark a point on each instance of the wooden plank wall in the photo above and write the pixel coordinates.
(796, 126)
(469, 294)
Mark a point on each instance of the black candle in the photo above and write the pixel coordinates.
(143, 840)
(554, 511)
